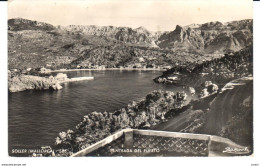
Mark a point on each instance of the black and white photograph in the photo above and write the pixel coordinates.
(134, 78)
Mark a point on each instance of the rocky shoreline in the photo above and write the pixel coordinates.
(17, 83)
(29, 82)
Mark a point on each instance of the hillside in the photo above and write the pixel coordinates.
(213, 37)
(34, 44)
(139, 35)
(20, 24)
(220, 71)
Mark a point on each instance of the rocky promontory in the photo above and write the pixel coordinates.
(30, 82)
(21, 82)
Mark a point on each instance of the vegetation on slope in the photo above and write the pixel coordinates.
(35, 44)
(240, 127)
(98, 125)
(220, 71)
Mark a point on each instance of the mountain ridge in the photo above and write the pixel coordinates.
(229, 36)
(32, 42)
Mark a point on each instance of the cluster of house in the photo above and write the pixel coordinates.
(129, 66)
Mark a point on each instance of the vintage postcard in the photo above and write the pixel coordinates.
(130, 78)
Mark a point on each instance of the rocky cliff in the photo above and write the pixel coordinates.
(34, 44)
(28, 82)
(20, 24)
(210, 37)
(135, 36)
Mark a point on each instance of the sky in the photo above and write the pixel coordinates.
(155, 15)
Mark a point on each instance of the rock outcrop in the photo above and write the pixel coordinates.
(208, 89)
(19, 24)
(181, 39)
(213, 37)
(18, 82)
(125, 34)
(192, 91)
(29, 82)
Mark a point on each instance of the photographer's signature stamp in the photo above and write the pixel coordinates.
(236, 150)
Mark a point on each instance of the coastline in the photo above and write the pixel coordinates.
(131, 117)
(129, 69)
(183, 119)
(30, 82)
(86, 83)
